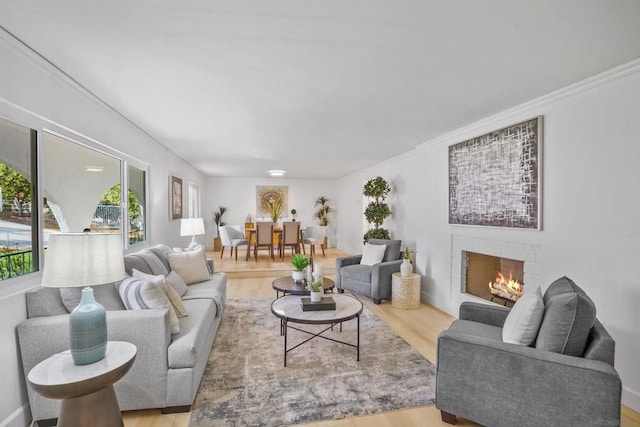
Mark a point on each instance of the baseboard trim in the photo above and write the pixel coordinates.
(18, 418)
(631, 398)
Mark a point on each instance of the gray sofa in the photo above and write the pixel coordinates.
(168, 368)
(566, 378)
(372, 281)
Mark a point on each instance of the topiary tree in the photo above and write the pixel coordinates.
(377, 211)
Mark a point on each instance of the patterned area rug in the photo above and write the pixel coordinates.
(245, 383)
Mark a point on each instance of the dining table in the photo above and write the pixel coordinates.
(250, 233)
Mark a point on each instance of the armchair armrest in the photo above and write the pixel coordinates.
(494, 315)
(381, 278)
(342, 262)
(476, 373)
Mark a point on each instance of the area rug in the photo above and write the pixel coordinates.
(246, 384)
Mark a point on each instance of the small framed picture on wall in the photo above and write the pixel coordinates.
(175, 198)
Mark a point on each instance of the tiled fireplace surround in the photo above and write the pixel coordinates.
(499, 248)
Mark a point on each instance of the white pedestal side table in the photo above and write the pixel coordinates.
(87, 394)
(405, 291)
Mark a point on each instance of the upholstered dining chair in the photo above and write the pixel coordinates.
(232, 237)
(290, 237)
(264, 238)
(312, 236)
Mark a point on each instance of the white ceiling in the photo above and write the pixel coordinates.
(319, 88)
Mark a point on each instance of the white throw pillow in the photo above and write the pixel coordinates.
(160, 280)
(138, 294)
(523, 321)
(372, 254)
(191, 266)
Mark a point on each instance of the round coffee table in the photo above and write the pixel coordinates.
(86, 391)
(289, 310)
(287, 285)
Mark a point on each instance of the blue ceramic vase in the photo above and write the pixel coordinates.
(88, 330)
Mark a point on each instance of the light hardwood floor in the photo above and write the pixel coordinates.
(420, 328)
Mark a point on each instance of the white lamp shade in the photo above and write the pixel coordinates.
(191, 226)
(83, 259)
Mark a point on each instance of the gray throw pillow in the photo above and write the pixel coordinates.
(569, 315)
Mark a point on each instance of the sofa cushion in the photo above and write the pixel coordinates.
(191, 266)
(359, 272)
(157, 267)
(523, 321)
(214, 289)
(191, 344)
(106, 295)
(392, 253)
(138, 294)
(177, 283)
(168, 290)
(569, 315)
(161, 252)
(372, 254)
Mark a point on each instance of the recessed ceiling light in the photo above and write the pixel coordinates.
(277, 172)
(94, 168)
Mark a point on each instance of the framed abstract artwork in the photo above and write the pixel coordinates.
(495, 179)
(175, 197)
(269, 193)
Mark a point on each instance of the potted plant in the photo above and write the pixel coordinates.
(376, 212)
(274, 206)
(299, 262)
(217, 218)
(316, 289)
(406, 268)
(322, 214)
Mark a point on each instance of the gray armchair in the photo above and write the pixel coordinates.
(372, 281)
(488, 381)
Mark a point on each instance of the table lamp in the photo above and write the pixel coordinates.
(84, 260)
(192, 227)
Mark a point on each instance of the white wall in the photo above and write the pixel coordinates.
(591, 227)
(238, 195)
(36, 95)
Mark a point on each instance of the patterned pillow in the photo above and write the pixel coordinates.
(191, 266)
(137, 294)
(174, 298)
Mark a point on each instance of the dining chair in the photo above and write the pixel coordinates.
(264, 238)
(312, 236)
(290, 237)
(232, 237)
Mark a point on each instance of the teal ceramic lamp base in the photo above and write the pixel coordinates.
(88, 330)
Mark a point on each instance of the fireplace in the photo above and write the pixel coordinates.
(493, 278)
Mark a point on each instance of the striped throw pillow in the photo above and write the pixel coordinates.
(138, 294)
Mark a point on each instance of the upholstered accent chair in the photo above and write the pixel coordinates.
(232, 237)
(290, 237)
(373, 281)
(564, 378)
(312, 236)
(264, 238)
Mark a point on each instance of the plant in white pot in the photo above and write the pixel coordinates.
(316, 289)
(406, 268)
(299, 262)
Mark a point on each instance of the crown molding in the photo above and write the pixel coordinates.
(528, 108)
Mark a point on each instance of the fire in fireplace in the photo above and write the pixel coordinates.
(493, 278)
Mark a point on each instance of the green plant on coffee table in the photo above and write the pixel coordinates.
(407, 253)
(316, 285)
(299, 262)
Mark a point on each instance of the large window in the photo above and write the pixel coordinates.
(81, 191)
(18, 219)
